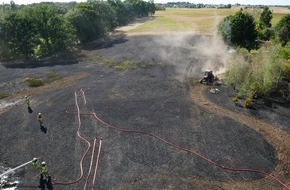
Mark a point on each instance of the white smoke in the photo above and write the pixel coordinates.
(189, 54)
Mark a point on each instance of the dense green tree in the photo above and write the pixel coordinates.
(151, 7)
(243, 30)
(13, 6)
(139, 8)
(239, 30)
(265, 18)
(106, 12)
(36, 29)
(265, 30)
(53, 31)
(283, 29)
(224, 29)
(87, 21)
(18, 34)
(121, 12)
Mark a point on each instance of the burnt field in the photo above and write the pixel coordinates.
(147, 125)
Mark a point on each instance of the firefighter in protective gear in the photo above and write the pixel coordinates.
(27, 101)
(44, 170)
(35, 162)
(40, 119)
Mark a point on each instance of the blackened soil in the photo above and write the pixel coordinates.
(150, 99)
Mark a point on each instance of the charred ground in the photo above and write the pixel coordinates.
(156, 95)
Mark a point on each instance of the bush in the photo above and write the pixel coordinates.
(248, 103)
(236, 100)
(266, 34)
(52, 76)
(3, 95)
(125, 65)
(34, 82)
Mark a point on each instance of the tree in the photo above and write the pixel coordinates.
(121, 12)
(36, 29)
(239, 30)
(53, 31)
(283, 29)
(151, 7)
(264, 27)
(224, 29)
(18, 32)
(12, 5)
(265, 18)
(138, 7)
(106, 13)
(87, 21)
(243, 30)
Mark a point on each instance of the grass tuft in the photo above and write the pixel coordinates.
(34, 82)
(52, 76)
(125, 65)
(3, 95)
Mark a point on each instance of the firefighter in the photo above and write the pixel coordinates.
(35, 162)
(27, 101)
(44, 171)
(40, 119)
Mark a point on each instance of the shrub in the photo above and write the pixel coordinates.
(52, 76)
(125, 65)
(236, 100)
(248, 103)
(34, 82)
(3, 95)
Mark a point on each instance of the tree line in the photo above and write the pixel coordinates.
(36, 30)
(260, 66)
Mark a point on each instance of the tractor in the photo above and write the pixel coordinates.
(208, 77)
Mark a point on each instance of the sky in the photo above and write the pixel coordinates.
(245, 2)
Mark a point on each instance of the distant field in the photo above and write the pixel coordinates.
(200, 21)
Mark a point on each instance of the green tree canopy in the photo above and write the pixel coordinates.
(18, 33)
(36, 30)
(243, 30)
(265, 30)
(283, 29)
(87, 20)
(53, 32)
(265, 18)
(121, 12)
(239, 30)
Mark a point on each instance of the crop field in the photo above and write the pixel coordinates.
(197, 21)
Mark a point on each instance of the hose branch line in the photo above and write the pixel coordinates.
(267, 175)
(192, 152)
(80, 93)
(91, 163)
(13, 169)
(97, 163)
(81, 137)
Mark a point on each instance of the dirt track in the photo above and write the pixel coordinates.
(153, 96)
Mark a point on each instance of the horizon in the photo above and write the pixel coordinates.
(214, 2)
